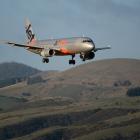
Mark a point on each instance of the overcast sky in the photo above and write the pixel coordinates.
(107, 22)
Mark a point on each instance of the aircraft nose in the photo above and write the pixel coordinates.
(90, 46)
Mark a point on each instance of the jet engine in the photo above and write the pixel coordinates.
(87, 56)
(47, 53)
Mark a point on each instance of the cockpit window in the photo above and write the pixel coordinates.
(87, 40)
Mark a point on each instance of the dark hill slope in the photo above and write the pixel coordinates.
(12, 72)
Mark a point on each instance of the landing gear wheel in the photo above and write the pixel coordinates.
(72, 62)
(84, 59)
(45, 60)
(82, 56)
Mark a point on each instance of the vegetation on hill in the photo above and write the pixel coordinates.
(132, 92)
(88, 102)
(12, 73)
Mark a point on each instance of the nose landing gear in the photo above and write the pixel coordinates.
(72, 61)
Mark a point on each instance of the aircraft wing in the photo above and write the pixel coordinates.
(20, 45)
(97, 49)
(34, 49)
(28, 46)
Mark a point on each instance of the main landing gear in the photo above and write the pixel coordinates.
(72, 61)
(45, 60)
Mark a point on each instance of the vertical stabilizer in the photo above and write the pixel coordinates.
(29, 31)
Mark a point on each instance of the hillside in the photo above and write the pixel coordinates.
(10, 73)
(86, 102)
(104, 77)
(104, 72)
(13, 69)
(112, 76)
(84, 83)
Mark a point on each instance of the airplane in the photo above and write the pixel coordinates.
(58, 47)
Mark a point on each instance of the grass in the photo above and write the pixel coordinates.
(7, 103)
(80, 131)
(126, 131)
(95, 131)
(71, 91)
(43, 109)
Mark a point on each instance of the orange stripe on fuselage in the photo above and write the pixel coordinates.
(62, 43)
(65, 51)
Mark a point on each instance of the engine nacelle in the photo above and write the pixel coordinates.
(47, 53)
(90, 55)
(87, 56)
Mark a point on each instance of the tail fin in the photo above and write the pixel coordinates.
(29, 31)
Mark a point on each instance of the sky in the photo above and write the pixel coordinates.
(107, 22)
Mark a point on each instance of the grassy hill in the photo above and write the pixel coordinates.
(86, 102)
(105, 78)
(11, 73)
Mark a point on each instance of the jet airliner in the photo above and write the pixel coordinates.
(58, 47)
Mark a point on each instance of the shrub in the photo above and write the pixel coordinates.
(132, 92)
(122, 83)
(26, 94)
